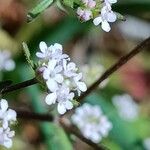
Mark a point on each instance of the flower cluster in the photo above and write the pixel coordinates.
(6, 63)
(104, 16)
(7, 118)
(127, 108)
(92, 123)
(85, 12)
(60, 75)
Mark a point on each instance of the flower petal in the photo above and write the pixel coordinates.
(59, 78)
(105, 26)
(51, 98)
(52, 85)
(43, 46)
(4, 105)
(97, 21)
(68, 105)
(82, 86)
(61, 108)
(58, 46)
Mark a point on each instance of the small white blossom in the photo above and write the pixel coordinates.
(92, 123)
(146, 143)
(106, 16)
(6, 137)
(7, 117)
(6, 63)
(60, 76)
(127, 108)
(84, 14)
(89, 3)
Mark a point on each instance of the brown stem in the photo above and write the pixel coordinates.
(18, 86)
(70, 129)
(35, 116)
(123, 60)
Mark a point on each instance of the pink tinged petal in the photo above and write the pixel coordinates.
(97, 21)
(82, 86)
(51, 98)
(52, 85)
(59, 78)
(46, 74)
(105, 26)
(68, 105)
(80, 12)
(91, 4)
(43, 46)
(4, 105)
(58, 46)
(111, 17)
(61, 108)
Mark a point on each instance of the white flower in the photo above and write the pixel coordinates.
(52, 75)
(89, 3)
(60, 76)
(91, 122)
(84, 14)
(6, 63)
(126, 107)
(7, 117)
(106, 16)
(54, 51)
(81, 86)
(63, 97)
(70, 69)
(146, 143)
(6, 137)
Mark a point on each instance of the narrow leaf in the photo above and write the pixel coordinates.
(38, 9)
(28, 56)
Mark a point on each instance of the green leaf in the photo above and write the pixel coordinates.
(68, 3)
(28, 56)
(44, 4)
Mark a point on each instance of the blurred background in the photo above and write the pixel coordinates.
(94, 51)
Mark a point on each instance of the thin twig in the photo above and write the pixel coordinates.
(69, 128)
(18, 86)
(35, 116)
(123, 60)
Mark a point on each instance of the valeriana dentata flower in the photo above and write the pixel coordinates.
(85, 13)
(127, 108)
(106, 16)
(7, 118)
(60, 75)
(6, 63)
(146, 143)
(93, 124)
